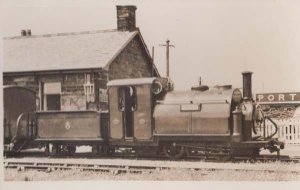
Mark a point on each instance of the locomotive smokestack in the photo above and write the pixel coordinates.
(23, 32)
(247, 85)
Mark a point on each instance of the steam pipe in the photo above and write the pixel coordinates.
(247, 85)
(275, 125)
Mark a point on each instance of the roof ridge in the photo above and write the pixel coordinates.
(65, 34)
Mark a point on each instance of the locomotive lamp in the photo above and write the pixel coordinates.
(237, 124)
(237, 96)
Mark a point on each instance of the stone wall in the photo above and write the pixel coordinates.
(131, 63)
(28, 81)
(72, 95)
(72, 88)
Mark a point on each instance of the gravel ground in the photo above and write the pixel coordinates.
(167, 175)
(179, 172)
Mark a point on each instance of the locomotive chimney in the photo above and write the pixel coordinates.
(126, 17)
(247, 85)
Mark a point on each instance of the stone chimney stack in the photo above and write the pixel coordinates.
(26, 32)
(23, 32)
(126, 17)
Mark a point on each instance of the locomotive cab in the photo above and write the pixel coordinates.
(131, 110)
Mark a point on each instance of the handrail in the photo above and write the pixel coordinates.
(29, 126)
(275, 125)
(174, 102)
(18, 126)
(255, 120)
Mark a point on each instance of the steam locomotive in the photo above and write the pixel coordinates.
(146, 116)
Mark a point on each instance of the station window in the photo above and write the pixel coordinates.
(51, 95)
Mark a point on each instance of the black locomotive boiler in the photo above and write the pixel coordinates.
(146, 116)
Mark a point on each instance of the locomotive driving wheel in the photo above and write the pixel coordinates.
(71, 149)
(56, 150)
(96, 149)
(47, 150)
(100, 150)
(173, 151)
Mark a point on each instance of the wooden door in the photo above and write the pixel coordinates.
(143, 113)
(116, 125)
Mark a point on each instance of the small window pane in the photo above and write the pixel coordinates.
(52, 88)
(53, 102)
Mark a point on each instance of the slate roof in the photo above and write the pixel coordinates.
(64, 51)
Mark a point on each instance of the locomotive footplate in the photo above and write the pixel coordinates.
(71, 139)
(258, 144)
(272, 145)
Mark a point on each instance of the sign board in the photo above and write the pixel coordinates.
(278, 98)
(190, 107)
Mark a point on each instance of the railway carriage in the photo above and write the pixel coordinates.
(64, 130)
(19, 104)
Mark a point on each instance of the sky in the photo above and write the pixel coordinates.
(214, 39)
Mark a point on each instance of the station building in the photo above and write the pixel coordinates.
(69, 71)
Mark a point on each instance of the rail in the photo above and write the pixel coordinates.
(138, 167)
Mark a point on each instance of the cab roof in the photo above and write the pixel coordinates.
(130, 82)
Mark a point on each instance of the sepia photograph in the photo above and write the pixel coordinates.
(154, 91)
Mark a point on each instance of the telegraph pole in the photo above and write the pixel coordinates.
(152, 68)
(168, 45)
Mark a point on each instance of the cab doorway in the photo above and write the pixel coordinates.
(127, 104)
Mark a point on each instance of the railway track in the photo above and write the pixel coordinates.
(269, 158)
(138, 167)
(50, 166)
(260, 158)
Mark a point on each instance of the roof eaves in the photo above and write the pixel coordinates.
(59, 34)
(54, 71)
(148, 53)
(106, 67)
